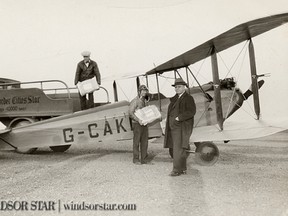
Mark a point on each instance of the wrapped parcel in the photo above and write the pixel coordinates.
(87, 86)
(148, 114)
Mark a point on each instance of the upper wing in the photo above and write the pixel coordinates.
(223, 41)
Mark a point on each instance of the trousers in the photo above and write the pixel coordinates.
(86, 104)
(140, 139)
(179, 153)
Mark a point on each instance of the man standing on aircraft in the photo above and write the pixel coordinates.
(87, 69)
(179, 126)
(140, 131)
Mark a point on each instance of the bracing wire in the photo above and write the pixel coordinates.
(123, 92)
(240, 70)
(198, 71)
(229, 70)
(245, 54)
(203, 114)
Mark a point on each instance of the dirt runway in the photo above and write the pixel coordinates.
(250, 178)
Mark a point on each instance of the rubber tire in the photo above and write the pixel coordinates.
(204, 158)
(61, 148)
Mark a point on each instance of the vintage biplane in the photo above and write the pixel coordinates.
(217, 103)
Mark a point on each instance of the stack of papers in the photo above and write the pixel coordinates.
(148, 114)
(87, 86)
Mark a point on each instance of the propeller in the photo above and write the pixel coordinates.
(249, 92)
(242, 98)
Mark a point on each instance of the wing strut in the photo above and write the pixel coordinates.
(187, 78)
(115, 91)
(137, 83)
(177, 72)
(254, 78)
(217, 91)
(147, 83)
(158, 90)
(205, 93)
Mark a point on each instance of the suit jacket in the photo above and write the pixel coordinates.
(83, 72)
(186, 111)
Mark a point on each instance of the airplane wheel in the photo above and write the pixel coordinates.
(61, 148)
(206, 153)
(171, 152)
(24, 150)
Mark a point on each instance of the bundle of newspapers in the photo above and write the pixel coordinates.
(148, 114)
(87, 86)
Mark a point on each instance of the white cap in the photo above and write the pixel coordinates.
(86, 53)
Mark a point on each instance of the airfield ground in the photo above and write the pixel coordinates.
(250, 178)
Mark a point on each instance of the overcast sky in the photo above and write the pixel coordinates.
(43, 39)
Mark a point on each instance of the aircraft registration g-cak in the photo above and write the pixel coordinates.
(34, 119)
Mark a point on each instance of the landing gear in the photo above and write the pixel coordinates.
(206, 153)
(62, 148)
(23, 150)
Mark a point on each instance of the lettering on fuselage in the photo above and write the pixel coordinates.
(107, 128)
(119, 125)
(92, 127)
(93, 131)
(67, 135)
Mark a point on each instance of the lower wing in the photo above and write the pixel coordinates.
(236, 130)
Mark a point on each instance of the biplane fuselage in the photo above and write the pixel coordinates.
(106, 123)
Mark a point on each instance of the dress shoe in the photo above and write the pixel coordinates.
(184, 172)
(147, 162)
(173, 173)
(137, 162)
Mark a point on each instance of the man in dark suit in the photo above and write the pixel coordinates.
(87, 69)
(179, 126)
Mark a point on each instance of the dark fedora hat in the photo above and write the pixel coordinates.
(179, 81)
